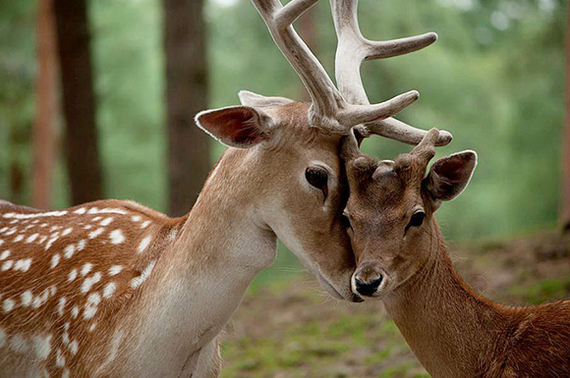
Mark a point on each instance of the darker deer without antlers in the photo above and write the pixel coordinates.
(113, 288)
(402, 259)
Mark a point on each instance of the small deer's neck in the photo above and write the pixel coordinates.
(201, 280)
(444, 322)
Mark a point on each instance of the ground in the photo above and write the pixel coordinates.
(287, 326)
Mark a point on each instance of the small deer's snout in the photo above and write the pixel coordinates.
(367, 287)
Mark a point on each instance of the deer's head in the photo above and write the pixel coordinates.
(291, 149)
(391, 207)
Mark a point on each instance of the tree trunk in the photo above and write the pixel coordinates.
(307, 26)
(81, 143)
(186, 95)
(565, 211)
(43, 132)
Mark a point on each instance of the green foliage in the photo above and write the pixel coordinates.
(493, 80)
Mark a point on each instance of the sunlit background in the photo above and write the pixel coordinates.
(494, 79)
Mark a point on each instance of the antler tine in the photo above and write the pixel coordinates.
(352, 50)
(329, 109)
(324, 95)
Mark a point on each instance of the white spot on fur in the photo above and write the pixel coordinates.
(75, 312)
(87, 227)
(97, 232)
(36, 215)
(106, 221)
(72, 275)
(90, 281)
(115, 269)
(91, 305)
(18, 238)
(92, 327)
(69, 251)
(42, 346)
(65, 373)
(27, 298)
(81, 245)
(117, 236)
(41, 299)
(61, 306)
(7, 265)
(19, 344)
(67, 231)
(12, 231)
(32, 238)
(145, 224)
(136, 218)
(54, 260)
(65, 336)
(137, 281)
(1, 241)
(109, 290)
(59, 359)
(144, 244)
(50, 243)
(5, 254)
(73, 347)
(81, 210)
(86, 269)
(23, 265)
(172, 235)
(42, 239)
(96, 219)
(8, 305)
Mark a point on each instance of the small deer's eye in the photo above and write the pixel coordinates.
(317, 177)
(416, 220)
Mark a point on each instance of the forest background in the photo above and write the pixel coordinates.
(494, 79)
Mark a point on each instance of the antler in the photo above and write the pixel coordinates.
(352, 50)
(329, 109)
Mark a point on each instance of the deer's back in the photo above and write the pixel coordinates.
(537, 344)
(65, 277)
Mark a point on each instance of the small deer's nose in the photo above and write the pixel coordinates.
(367, 288)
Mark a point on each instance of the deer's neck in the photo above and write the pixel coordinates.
(448, 327)
(201, 280)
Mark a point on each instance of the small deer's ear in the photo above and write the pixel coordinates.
(449, 176)
(237, 126)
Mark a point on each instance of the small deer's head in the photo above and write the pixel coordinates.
(390, 210)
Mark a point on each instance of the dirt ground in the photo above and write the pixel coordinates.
(290, 328)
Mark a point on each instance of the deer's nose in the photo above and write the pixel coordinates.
(367, 287)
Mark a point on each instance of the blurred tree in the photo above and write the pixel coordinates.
(81, 139)
(565, 213)
(43, 132)
(186, 95)
(307, 27)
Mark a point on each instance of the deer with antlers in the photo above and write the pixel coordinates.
(112, 288)
(402, 259)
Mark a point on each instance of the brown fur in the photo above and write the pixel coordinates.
(452, 331)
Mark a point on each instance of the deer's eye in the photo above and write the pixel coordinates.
(416, 220)
(317, 177)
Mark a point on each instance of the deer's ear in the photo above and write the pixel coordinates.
(449, 176)
(253, 99)
(236, 126)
